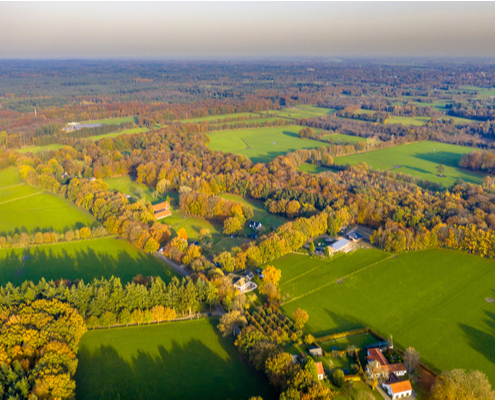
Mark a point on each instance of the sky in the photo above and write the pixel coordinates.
(244, 30)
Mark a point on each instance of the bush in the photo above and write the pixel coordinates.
(338, 378)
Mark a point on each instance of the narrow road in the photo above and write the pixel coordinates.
(180, 270)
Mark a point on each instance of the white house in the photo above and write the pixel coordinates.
(339, 245)
(241, 284)
(397, 390)
(321, 371)
(384, 369)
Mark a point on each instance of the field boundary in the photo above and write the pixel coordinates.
(22, 197)
(336, 280)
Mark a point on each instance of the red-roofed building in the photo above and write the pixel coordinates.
(321, 371)
(397, 390)
(383, 369)
(162, 210)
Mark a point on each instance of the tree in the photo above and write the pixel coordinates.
(232, 226)
(300, 318)
(338, 378)
(458, 384)
(151, 245)
(440, 169)
(229, 321)
(327, 251)
(226, 261)
(310, 367)
(182, 234)
(312, 247)
(85, 233)
(411, 360)
(272, 275)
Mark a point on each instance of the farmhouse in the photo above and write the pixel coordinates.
(315, 351)
(241, 284)
(321, 371)
(384, 369)
(339, 245)
(255, 225)
(162, 210)
(354, 236)
(397, 390)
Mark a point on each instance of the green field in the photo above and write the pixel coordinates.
(338, 138)
(418, 159)
(37, 149)
(312, 168)
(180, 360)
(85, 259)
(416, 121)
(263, 144)
(222, 117)
(304, 111)
(26, 208)
(128, 186)
(111, 121)
(115, 134)
(259, 211)
(432, 300)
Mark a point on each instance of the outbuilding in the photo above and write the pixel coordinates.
(321, 371)
(339, 245)
(397, 390)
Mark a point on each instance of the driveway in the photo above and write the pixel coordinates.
(179, 269)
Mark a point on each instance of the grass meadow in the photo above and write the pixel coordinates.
(37, 149)
(115, 134)
(263, 144)
(180, 360)
(221, 118)
(312, 169)
(432, 300)
(85, 259)
(111, 121)
(304, 111)
(418, 159)
(27, 208)
(338, 138)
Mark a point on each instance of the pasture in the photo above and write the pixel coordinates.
(221, 118)
(432, 300)
(262, 144)
(312, 168)
(304, 111)
(414, 121)
(37, 149)
(111, 121)
(259, 211)
(84, 259)
(338, 138)
(27, 208)
(115, 134)
(128, 186)
(180, 360)
(418, 159)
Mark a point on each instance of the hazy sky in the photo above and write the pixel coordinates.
(255, 29)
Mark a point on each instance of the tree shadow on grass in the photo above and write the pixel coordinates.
(341, 323)
(188, 370)
(440, 157)
(482, 342)
(34, 263)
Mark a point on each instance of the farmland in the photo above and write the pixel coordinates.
(181, 360)
(37, 149)
(85, 259)
(418, 159)
(312, 168)
(111, 121)
(338, 138)
(304, 111)
(115, 134)
(223, 117)
(27, 208)
(263, 144)
(446, 311)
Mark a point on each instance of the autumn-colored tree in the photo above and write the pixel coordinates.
(272, 275)
(151, 245)
(84, 233)
(192, 252)
(459, 384)
(229, 321)
(300, 318)
(182, 234)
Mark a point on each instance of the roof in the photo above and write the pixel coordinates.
(393, 368)
(164, 205)
(375, 354)
(339, 244)
(399, 387)
(314, 346)
(319, 368)
(240, 282)
(163, 214)
(354, 235)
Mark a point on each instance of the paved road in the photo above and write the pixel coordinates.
(179, 269)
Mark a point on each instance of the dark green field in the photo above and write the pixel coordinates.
(180, 360)
(85, 259)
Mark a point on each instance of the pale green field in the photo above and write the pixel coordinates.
(418, 159)
(312, 169)
(111, 121)
(338, 138)
(222, 117)
(115, 134)
(416, 121)
(263, 144)
(304, 111)
(37, 149)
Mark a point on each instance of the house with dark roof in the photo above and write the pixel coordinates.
(162, 210)
(354, 236)
(315, 351)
